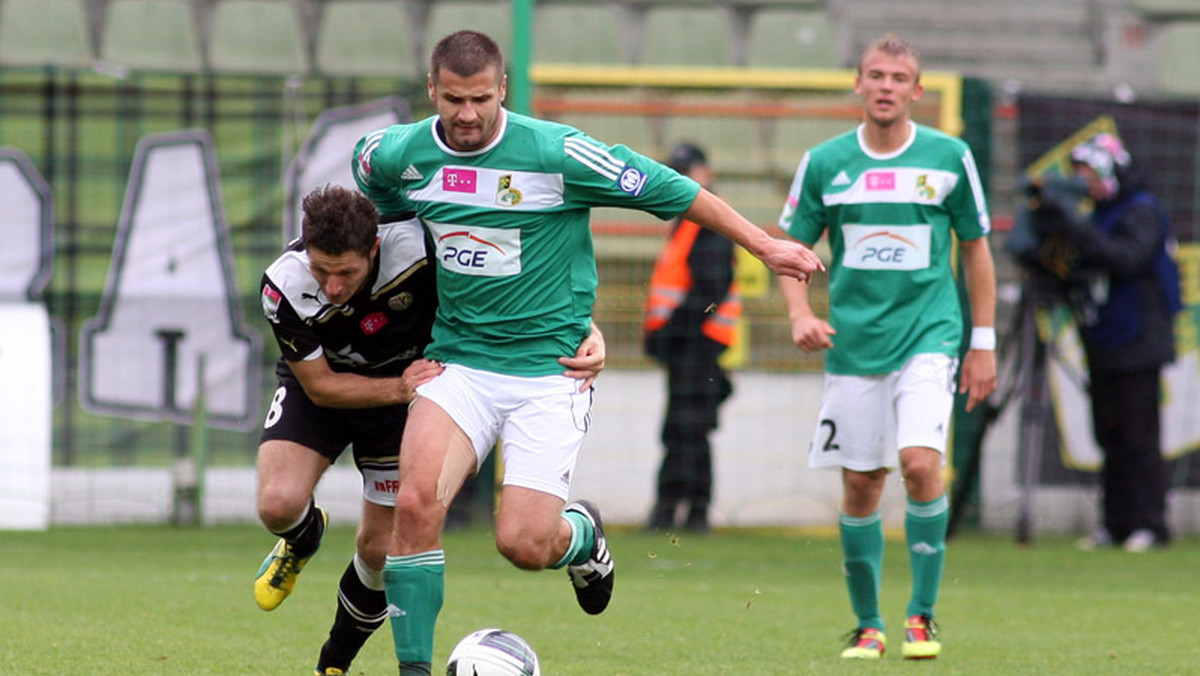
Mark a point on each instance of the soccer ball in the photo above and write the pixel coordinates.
(493, 652)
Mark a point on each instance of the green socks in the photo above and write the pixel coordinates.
(925, 526)
(583, 538)
(415, 586)
(862, 549)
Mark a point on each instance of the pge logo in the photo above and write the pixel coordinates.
(464, 250)
(476, 250)
(632, 181)
(886, 248)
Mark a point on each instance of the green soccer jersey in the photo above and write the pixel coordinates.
(509, 222)
(889, 218)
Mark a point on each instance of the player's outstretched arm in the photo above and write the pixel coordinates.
(783, 257)
(588, 361)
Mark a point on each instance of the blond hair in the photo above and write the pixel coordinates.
(892, 45)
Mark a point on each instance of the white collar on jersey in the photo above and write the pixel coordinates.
(502, 126)
(862, 143)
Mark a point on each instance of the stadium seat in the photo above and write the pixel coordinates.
(39, 32)
(577, 33)
(734, 144)
(792, 137)
(151, 34)
(259, 36)
(686, 36)
(366, 38)
(1177, 72)
(447, 16)
(1166, 9)
(786, 38)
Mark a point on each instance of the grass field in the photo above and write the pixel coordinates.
(160, 600)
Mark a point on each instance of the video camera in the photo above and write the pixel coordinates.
(1053, 207)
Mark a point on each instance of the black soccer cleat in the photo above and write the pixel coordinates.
(592, 579)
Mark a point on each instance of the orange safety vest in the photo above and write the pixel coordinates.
(671, 281)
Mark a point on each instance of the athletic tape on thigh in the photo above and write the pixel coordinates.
(459, 463)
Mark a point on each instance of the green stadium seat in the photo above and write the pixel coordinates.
(447, 16)
(40, 32)
(366, 38)
(686, 36)
(733, 144)
(257, 36)
(577, 33)
(1177, 72)
(1166, 9)
(151, 35)
(785, 38)
(794, 136)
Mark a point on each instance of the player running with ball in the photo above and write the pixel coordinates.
(506, 199)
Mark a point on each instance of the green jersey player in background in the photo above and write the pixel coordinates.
(892, 196)
(506, 200)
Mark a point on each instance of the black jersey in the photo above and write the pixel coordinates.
(379, 332)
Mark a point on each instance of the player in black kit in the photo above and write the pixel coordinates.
(351, 304)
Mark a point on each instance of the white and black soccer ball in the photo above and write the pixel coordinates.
(493, 652)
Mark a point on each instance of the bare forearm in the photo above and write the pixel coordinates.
(717, 215)
(980, 273)
(348, 390)
(795, 293)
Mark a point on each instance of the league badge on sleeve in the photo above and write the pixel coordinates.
(632, 181)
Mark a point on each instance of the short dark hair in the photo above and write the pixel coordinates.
(338, 221)
(466, 53)
(686, 155)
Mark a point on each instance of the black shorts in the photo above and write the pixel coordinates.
(374, 433)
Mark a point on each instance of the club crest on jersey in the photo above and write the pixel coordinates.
(459, 180)
(401, 301)
(373, 323)
(506, 195)
(925, 191)
(632, 181)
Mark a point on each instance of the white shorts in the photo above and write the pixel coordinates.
(866, 420)
(541, 422)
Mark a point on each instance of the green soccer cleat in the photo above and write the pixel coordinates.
(865, 644)
(920, 639)
(277, 576)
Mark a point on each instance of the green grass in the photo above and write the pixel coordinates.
(160, 600)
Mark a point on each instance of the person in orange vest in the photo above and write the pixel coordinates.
(690, 319)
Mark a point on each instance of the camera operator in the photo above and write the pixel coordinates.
(1123, 287)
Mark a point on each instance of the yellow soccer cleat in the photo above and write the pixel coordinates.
(328, 671)
(865, 644)
(277, 576)
(920, 639)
